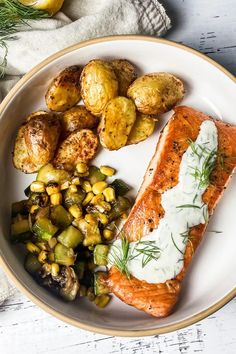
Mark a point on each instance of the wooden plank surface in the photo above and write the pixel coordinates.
(209, 26)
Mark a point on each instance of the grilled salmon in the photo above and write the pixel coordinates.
(162, 174)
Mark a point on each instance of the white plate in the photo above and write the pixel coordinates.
(211, 279)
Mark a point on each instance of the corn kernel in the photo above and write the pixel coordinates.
(75, 211)
(56, 198)
(37, 187)
(88, 198)
(103, 218)
(97, 199)
(109, 194)
(86, 186)
(51, 257)
(103, 206)
(81, 167)
(124, 216)
(42, 256)
(55, 269)
(107, 171)
(108, 234)
(65, 185)
(42, 245)
(90, 219)
(32, 248)
(52, 188)
(52, 242)
(47, 268)
(76, 181)
(73, 188)
(99, 187)
(34, 208)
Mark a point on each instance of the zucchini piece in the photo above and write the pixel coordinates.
(25, 236)
(61, 217)
(100, 254)
(70, 237)
(27, 191)
(48, 173)
(20, 227)
(42, 213)
(102, 300)
(99, 284)
(19, 208)
(44, 229)
(64, 255)
(79, 269)
(71, 198)
(119, 207)
(95, 175)
(32, 264)
(91, 233)
(40, 199)
(121, 188)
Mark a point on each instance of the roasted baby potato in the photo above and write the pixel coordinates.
(64, 91)
(143, 127)
(156, 93)
(79, 146)
(125, 73)
(116, 123)
(36, 142)
(98, 85)
(77, 118)
(37, 113)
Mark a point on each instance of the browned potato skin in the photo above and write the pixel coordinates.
(125, 73)
(79, 146)
(116, 123)
(37, 113)
(143, 127)
(64, 91)
(77, 118)
(41, 136)
(156, 93)
(98, 85)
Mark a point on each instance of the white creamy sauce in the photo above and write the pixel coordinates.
(168, 242)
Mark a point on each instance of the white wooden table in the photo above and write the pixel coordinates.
(209, 26)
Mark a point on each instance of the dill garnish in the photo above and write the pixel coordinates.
(175, 244)
(13, 15)
(149, 251)
(119, 257)
(188, 206)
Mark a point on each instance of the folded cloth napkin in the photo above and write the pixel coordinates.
(79, 20)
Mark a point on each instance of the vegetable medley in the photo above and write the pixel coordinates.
(66, 225)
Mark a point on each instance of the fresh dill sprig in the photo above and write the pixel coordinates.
(215, 231)
(149, 251)
(119, 257)
(188, 206)
(172, 238)
(13, 15)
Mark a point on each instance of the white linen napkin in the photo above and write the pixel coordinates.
(78, 20)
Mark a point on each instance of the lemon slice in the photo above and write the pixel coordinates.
(52, 6)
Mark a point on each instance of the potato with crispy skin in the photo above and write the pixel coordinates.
(36, 142)
(116, 123)
(64, 91)
(79, 146)
(77, 118)
(156, 93)
(125, 73)
(98, 85)
(143, 127)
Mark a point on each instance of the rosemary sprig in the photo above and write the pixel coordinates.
(13, 15)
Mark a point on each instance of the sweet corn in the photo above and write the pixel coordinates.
(42, 245)
(52, 242)
(97, 199)
(109, 194)
(37, 187)
(124, 216)
(86, 186)
(55, 269)
(103, 206)
(47, 268)
(88, 198)
(76, 181)
(108, 234)
(90, 219)
(73, 188)
(103, 218)
(34, 208)
(99, 187)
(42, 256)
(75, 211)
(107, 171)
(51, 257)
(52, 188)
(32, 248)
(81, 167)
(65, 185)
(56, 198)
(102, 300)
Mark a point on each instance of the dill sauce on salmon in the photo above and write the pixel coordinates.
(158, 256)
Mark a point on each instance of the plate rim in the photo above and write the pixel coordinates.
(10, 272)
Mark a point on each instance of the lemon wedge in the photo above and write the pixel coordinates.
(51, 6)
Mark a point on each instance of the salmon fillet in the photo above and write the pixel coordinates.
(163, 171)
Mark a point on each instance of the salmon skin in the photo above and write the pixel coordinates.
(159, 299)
